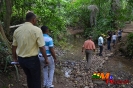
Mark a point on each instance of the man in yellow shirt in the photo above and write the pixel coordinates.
(27, 40)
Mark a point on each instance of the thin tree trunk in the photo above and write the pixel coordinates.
(7, 17)
(1, 4)
(4, 38)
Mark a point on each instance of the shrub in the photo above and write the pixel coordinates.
(129, 49)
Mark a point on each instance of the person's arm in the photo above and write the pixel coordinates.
(93, 47)
(14, 47)
(101, 41)
(108, 36)
(14, 55)
(41, 43)
(82, 49)
(43, 51)
(51, 49)
(53, 53)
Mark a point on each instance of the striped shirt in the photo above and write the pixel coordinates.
(48, 43)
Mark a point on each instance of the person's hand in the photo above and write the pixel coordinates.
(46, 62)
(82, 53)
(15, 60)
(55, 60)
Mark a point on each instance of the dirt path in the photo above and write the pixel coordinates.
(117, 66)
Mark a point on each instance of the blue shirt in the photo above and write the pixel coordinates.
(48, 43)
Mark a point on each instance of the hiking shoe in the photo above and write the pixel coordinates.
(52, 86)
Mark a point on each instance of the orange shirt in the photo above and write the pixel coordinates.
(89, 44)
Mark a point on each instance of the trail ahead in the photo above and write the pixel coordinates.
(109, 62)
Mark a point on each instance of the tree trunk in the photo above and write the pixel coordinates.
(4, 38)
(1, 4)
(7, 17)
(114, 12)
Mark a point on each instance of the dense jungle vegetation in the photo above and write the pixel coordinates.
(92, 16)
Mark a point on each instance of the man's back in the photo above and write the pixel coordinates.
(100, 41)
(88, 44)
(27, 39)
(48, 43)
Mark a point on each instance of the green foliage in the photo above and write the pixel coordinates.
(130, 45)
(6, 58)
(51, 14)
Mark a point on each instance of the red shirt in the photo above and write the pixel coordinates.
(89, 44)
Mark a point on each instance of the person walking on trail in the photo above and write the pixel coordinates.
(100, 44)
(109, 40)
(27, 40)
(119, 34)
(114, 36)
(48, 71)
(89, 47)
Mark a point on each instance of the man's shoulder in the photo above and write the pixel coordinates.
(48, 38)
(100, 37)
(35, 27)
(18, 29)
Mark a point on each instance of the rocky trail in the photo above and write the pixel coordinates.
(110, 62)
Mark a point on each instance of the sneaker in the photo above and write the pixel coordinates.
(52, 86)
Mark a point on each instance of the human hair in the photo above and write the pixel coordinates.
(114, 33)
(44, 29)
(30, 16)
(90, 37)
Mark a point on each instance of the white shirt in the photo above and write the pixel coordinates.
(100, 41)
(114, 37)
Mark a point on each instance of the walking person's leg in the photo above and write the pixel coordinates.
(108, 45)
(51, 71)
(89, 58)
(120, 38)
(26, 71)
(45, 75)
(109, 48)
(87, 55)
(31, 67)
(101, 49)
(35, 71)
(42, 70)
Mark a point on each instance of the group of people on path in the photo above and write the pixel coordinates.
(27, 40)
(89, 45)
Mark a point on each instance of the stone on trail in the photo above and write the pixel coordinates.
(25, 85)
(110, 54)
(106, 58)
(86, 87)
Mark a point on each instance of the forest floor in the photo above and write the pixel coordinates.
(70, 73)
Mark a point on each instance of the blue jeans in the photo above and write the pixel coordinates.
(31, 67)
(108, 46)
